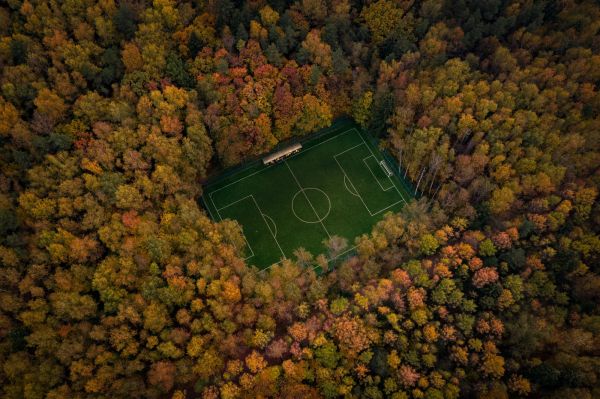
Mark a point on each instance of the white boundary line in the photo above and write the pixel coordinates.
(389, 177)
(272, 221)
(348, 149)
(209, 211)
(233, 203)
(241, 228)
(358, 195)
(307, 199)
(210, 195)
(320, 219)
(373, 174)
(302, 152)
(361, 198)
(291, 156)
(346, 181)
(343, 253)
(262, 214)
(247, 243)
(328, 259)
(322, 142)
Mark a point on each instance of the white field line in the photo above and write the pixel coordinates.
(272, 221)
(350, 180)
(270, 266)
(306, 196)
(319, 219)
(233, 203)
(328, 260)
(389, 177)
(322, 142)
(209, 211)
(242, 228)
(346, 178)
(346, 181)
(348, 149)
(383, 164)
(387, 207)
(268, 227)
(248, 244)
(343, 253)
(301, 152)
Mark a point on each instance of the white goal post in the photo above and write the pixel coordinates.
(386, 168)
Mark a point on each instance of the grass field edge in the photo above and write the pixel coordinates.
(244, 171)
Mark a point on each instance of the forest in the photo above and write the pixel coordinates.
(115, 283)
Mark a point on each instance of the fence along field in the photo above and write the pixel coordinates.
(337, 184)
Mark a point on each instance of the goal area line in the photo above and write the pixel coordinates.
(361, 176)
(356, 192)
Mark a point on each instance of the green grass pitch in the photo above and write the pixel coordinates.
(335, 185)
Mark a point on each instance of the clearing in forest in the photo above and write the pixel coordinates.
(337, 184)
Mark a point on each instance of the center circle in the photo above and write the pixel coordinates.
(311, 205)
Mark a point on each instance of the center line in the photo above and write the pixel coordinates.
(306, 196)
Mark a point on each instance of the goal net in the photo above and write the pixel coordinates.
(386, 168)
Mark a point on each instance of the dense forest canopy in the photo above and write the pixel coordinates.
(115, 283)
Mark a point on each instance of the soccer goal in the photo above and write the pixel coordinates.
(386, 168)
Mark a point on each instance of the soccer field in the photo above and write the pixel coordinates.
(338, 185)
